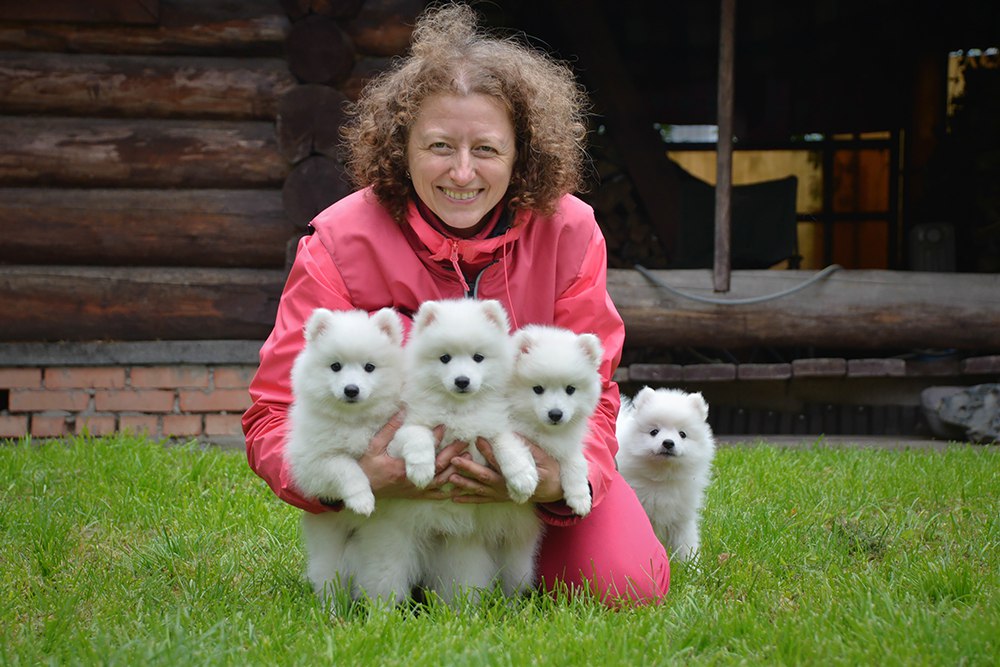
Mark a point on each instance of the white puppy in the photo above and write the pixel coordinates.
(346, 384)
(458, 361)
(553, 393)
(665, 453)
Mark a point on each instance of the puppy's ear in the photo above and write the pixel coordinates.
(699, 404)
(317, 323)
(387, 320)
(643, 397)
(523, 340)
(591, 346)
(425, 315)
(496, 314)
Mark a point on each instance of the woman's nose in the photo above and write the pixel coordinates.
(462, 170)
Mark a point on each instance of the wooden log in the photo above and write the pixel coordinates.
(337, 9)
(48, 304)
(309, 120)
(142, 86)
(220, 228)
(848, 309)
(107, 11)
(319, 51)
(314, 184)
(248, 27)
(365, 69)
(139, 153)
(384, 27)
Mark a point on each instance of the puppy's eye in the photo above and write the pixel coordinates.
(445, 358)
(682, 434)
(369, 368)
(654, 432)
(478, 358)
(335, 367)
(538, 389)
(570, 389)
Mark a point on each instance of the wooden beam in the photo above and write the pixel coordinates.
(215, 228)
(142, 86)
(848, 309)
(139, 153)
(724, 148)
(92, 11)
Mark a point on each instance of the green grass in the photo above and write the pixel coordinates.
(122, 551)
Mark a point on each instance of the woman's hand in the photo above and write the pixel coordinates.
(387, 473)
(475, 483)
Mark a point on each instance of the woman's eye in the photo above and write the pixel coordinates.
(682, 434)
(486, 149)
(335, 367)
(369, 368)
(538, 389)
(445, 358)
(654, 432)
(478, 358)
(439, 147)
(570, 389)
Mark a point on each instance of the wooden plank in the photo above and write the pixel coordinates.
(819, 368)
(139, 153)
(142, 12)
(248, 27)
(724, 154)
(49, 304)
(223, 228)
(142, 86)
(989, 365)
(848, 309)
(384, 27)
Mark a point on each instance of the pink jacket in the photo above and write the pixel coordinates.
(544, 270)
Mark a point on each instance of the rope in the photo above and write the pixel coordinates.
(738, 302)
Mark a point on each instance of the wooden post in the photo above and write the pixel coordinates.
(724, 148)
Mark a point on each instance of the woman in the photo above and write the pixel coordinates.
(465, 154)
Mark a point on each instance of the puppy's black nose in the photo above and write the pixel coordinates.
(351, 391)
(668, 445)
(462, 382)
(555, 415)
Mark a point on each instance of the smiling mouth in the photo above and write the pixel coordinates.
(460, 196)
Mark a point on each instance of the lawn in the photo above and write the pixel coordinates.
(122, 551)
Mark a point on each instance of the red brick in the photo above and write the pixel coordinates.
(160, 377)
(234, 377)
(136, 400)
(84, 378)
(32, 400)
(20, 378)
(140, 424)
(13, 426)
(181, 425)
(95, 424)
(220, 400)
(48, 426)
(223, 425)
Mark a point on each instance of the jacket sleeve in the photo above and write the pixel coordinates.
(312, 282)
(585, 306)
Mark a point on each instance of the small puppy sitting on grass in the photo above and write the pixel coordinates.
(665, 453)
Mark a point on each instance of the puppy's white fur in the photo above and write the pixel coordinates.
(346, 384)
(553, 393)
(458, 361)
(665, 453)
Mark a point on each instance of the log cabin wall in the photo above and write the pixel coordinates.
(158, 163)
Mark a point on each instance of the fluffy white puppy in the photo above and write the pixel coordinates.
(553, 392)
(346, 384)
(458, 361)
(665, 453)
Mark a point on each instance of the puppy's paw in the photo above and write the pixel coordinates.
(362, 503)
(579, 503)
(521, 484)
(420, 472)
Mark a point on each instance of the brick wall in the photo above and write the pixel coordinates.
(189, 398)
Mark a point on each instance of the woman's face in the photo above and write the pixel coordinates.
(461, 154)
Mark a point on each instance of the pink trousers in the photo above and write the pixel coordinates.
(613, 553)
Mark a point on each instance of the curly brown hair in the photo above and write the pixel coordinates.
(451, 54)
